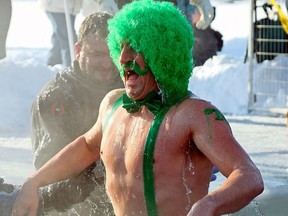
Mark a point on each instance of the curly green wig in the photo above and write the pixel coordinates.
(162, 34)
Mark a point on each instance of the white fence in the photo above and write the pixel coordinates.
(268, 58)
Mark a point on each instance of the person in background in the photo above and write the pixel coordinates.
(5, 18)
(208, 42)
(207, 12)
(188, 10)
(55, 10)
(158, 141)
(66, 107)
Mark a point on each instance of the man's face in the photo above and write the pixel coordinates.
(136, 86)
(94, 59)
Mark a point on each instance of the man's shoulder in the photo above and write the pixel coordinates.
(194, 100)
(110, 98)
(194, 105)
(114, 95)
(108, 104)
(201, 108)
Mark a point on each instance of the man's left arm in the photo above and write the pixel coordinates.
(214, 138)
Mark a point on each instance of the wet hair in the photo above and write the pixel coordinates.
(94, 24)
(163, 35)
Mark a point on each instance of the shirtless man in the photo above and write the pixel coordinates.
(156, 139)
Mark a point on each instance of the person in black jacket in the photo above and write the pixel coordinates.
(66, 107)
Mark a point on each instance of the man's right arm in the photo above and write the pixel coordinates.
(69, 162)
(61, 196)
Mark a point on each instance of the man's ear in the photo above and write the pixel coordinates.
(77, 48)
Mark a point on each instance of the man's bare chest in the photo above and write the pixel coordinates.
(126, 137)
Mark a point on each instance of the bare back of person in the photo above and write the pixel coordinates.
(178, 185)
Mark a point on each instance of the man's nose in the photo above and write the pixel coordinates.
(126, 55)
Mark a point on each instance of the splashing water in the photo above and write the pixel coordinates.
(187, 188)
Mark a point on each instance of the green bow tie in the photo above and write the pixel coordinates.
(153, 101)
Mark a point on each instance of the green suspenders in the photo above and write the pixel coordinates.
(117, 103)
(148, 158)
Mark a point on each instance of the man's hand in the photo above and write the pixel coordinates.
(207, 13)
(27, 200)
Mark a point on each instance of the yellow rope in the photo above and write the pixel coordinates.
(282, 17)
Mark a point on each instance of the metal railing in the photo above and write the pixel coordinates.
(268, 60)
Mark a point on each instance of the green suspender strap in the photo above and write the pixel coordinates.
(148, 160)
(117, 103)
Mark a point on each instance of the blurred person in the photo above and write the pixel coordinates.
(187, 9)
(157, 141)
(205, 9)
(66, 107)
(208, 42)
(55, 11)
(5, 19)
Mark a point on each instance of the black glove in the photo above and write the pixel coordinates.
(8, 194)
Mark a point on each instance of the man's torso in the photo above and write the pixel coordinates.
(178, 164)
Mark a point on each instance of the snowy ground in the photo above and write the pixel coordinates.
(222, 80)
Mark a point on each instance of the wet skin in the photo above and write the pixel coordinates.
(126, 142)
(179, 167)
(189, 141)
(184, 149)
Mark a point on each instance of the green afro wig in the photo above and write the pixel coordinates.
(163, 35)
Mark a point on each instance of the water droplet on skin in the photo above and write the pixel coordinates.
(190, 170)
